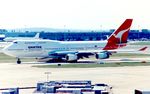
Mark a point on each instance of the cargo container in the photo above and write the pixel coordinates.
(69, 90)
(72, 87)
(76, 86)
(39, 86)
(10, 91)
(48, 89)
(142, 91)
(80, 82)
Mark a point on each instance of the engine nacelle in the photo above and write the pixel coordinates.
(71, 57)
(102, 55)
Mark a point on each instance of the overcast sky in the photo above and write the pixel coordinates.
(77, 14)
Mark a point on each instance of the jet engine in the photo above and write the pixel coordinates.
(102, 55)
(71, 57)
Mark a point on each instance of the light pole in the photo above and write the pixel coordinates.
(47, 79)
(47, 75)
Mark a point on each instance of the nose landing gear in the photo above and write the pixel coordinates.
(18, 61)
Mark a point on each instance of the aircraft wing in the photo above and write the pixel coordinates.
(79, 54)
(99, 54)
(64, 53)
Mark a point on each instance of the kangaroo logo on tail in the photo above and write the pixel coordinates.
(119, 37)
(120, 34)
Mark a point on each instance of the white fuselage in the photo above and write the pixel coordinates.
(42, 48)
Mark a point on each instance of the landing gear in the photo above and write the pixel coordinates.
(18, 61)
(73, 61)
(101, 62)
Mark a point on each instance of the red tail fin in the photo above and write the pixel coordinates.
(121, 34)
(119, 37)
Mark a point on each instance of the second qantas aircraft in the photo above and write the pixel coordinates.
(69, 50)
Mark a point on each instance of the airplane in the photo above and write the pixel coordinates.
(11, 39)
(70, 51)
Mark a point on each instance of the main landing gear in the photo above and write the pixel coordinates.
(18, 61)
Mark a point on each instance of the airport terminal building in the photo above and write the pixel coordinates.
(74, 35)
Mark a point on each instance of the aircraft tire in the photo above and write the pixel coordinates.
(18, 61)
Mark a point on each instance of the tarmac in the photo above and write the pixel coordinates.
(124, 80)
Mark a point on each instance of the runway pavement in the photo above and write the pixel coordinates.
(123, 79)
(116, 60)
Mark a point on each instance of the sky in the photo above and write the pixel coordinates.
(75, 14)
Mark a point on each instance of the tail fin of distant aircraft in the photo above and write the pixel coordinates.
(37, 36)
(119, 37)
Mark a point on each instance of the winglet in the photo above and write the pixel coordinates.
(143, 49)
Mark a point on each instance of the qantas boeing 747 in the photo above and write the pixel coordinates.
(69, 50)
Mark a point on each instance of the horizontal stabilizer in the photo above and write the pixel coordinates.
(143, 49)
